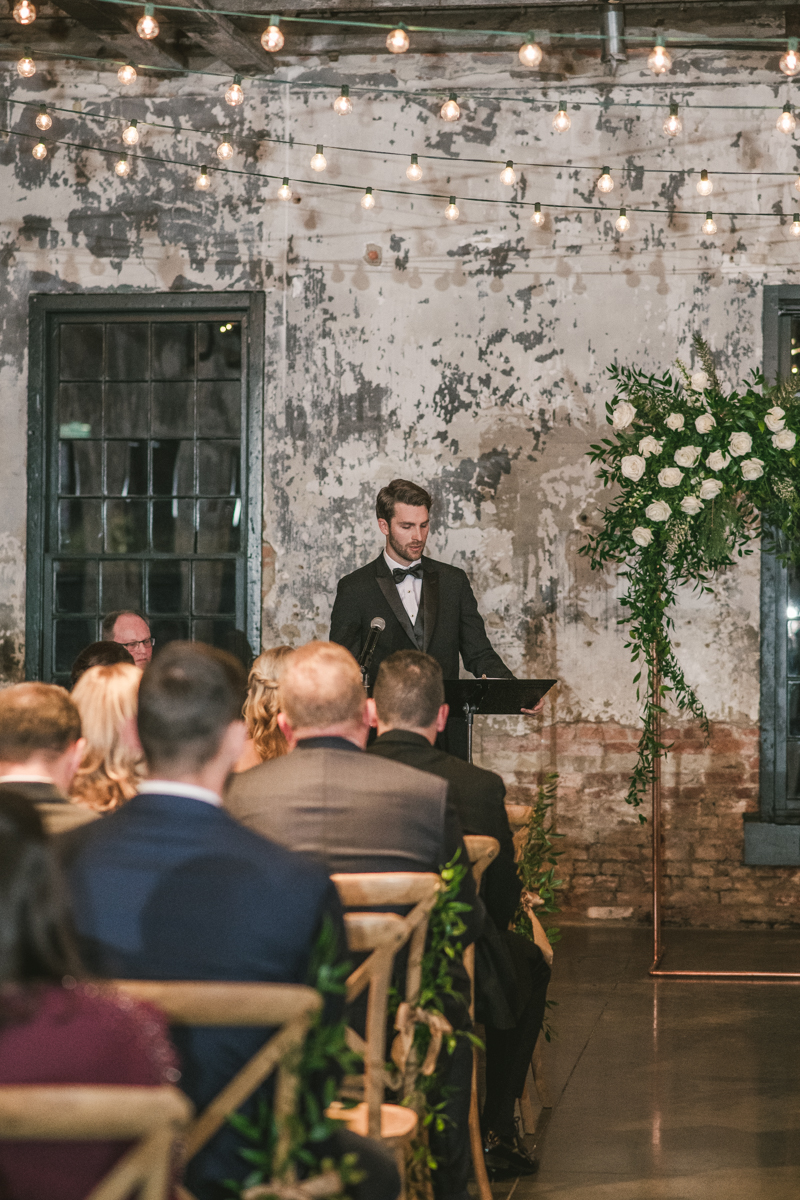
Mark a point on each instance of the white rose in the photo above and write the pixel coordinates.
(622, 415)
(650, 445)
(704, 423)
(659, 510)
(691, 505)
(710, 488)
(773, 419)
(739, 444)
(633, 466)
(687, 456)
(717, 460)
(675, 421)
(642, 535)
(670, 477)
(752, 468)
(784, 440)
(700, 381)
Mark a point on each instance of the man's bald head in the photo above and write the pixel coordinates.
(321, 690)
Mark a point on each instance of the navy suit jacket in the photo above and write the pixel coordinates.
(169, 887)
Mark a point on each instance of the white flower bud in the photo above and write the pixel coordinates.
(717, 460)
(773, 419)
(710, 488)
(632, 466)
(752, 468)
(739, 444)
(623, 415)
(784, 440)
(691, 505)
(650, 445)
(670, 477)
(700, 381)
(659, 510)
(687, 456)
(675, 421)
(704, 423)
(642, 535)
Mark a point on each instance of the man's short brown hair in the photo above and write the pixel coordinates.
(321, 686)
(400, 491)
(409, 690)
(36, 718)
(109, 621)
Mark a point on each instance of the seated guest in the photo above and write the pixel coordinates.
(53, 1029)
(408, 699)
(130, 629)
(98, 654)
(358, 813)
(171, 887)
(264, 738)
(40, 741)
(112, 765)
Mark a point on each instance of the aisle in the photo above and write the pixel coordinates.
(680, 1091)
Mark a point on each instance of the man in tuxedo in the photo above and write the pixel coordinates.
(511, 973)
(355, 812)
(171, 887)
(40, 741)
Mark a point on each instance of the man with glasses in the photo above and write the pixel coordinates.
(130, 629)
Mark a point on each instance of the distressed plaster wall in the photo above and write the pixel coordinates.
(473, 359)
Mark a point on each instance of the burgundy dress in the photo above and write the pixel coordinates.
(76, 1035)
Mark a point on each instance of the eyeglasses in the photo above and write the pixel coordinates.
(145, 643)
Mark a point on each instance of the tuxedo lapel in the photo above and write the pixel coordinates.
(389, 589)
(430, 602)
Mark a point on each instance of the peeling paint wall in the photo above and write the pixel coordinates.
(472, 358)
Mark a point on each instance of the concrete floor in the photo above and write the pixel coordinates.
(667, 1089)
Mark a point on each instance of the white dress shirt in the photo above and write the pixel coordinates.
(409, 589)
(168, 787)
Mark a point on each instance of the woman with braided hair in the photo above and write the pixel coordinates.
(260, 711)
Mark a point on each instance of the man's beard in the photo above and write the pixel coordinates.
(402, 552)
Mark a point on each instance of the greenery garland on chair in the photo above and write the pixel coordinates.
(701, 472)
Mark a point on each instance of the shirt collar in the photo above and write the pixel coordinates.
(25, 777)
(330, 743)
(168, 787)
(396, 566)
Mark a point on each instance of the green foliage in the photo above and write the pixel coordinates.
(538, 860)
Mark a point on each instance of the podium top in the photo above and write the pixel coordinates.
(494, 696)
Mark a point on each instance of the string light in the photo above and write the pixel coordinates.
(414, 170)
(318, 160)
(368, 200)
(622, 224)
(130, 136)
(26, 67)
(451, 212)
(224, 151)
(24, 12)
(39, 150)
(122, 167)
(797, 184)
(508, 175)
(673, 124)
(234, 94)
(43, 118)
(659, 60)
(127, 74)
(605, 183)
(796, 225)
(398, 41)
(704, 185)
(203, 182)
(147, 26)
(272, 38)
(561, 121)
(530, 55)
(343, 105)
(709, 225)
(786, 122)
(537, 216)
(284, 191)
(450, 110)
(790, 60)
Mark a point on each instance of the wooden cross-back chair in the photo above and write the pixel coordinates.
(152, 1117)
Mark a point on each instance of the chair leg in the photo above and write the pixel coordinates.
(475, 1139)
(539, 1076)
(526, 1108)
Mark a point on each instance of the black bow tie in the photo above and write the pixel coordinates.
(398, 574)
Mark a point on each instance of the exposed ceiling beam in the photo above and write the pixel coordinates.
(117, 33)
(220, 38)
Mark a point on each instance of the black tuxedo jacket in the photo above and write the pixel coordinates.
(452, 624)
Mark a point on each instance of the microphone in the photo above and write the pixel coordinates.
(376, 628)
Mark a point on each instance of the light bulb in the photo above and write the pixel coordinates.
(673, 124)
(414, 170)
(343, 105)
(24, 12)
(26, 66)
(368, 200)
(797, 184)
(795, 225)
(234, 95)
(127, 73)
(704, 185)
(537, 216)
(561, 121)
(709, 225)
(43, 118)
(451, 212)
(318, 160)
(622, 224)
(605, 183)
(530, 55)
(790, 61)
(130, 136)
(122, 167)
(39, 150)
(508, 175)
(224, 151)
(272, 38)
(284, 191)
(147, 26)
(450, 110)
(202, 183)
(397, 41)
(659, 60)
(786, 122)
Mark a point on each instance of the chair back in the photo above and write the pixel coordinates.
(60, 818)
(482, 851)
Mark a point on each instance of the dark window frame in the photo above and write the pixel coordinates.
(43, 313)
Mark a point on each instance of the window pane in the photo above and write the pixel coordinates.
(166, 630)
(219, 409)
(79, 526)
(126, 350)
(71, 636)
(173, 350)
(794, 710)
(219, 350)
(215, 632)
(168, 587)
(79, 468)
(126, 526)
(122, 586)
(218, 526)
(80, 410)
(794, 591)
(173, 467)
(81, 351)
(126, 409)
(173, 409)
(173, 526)
(126, 468)
(215, 587)
(793, 770)
(793, 649)
(76, 587)
(219, 469)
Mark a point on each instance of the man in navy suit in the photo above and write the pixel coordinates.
(172, 887)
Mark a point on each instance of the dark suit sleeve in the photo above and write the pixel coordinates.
(501, 883)
(453, 842)
(473, 644)
(346, 621)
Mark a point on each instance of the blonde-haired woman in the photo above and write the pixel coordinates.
(113, 765)
(260, 711)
